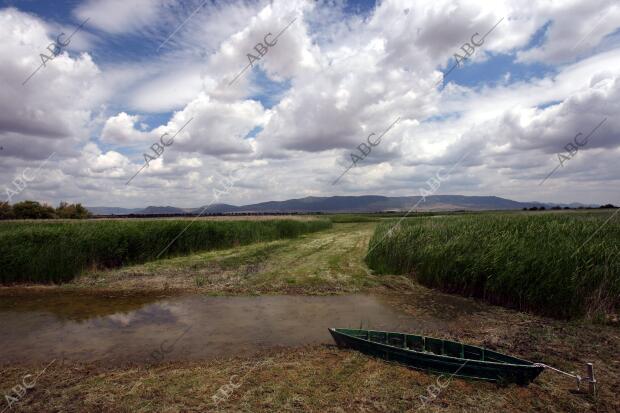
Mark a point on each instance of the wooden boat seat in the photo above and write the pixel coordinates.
(396, 339)
(377, 336)
(453, 349)
(415, 342)
(434, 345)
(474, 353)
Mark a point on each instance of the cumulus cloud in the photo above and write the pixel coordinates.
(120, 129)
(53, 110)
(337, 77)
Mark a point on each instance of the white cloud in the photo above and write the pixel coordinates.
(122, 16)
(52, 110)
(338, 77)
(576, 27)
(120, 129)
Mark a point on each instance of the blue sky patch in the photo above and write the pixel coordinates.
(494, 70)
(268, 92)
(252, 134)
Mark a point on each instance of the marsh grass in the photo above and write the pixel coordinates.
(518, 260)
(57, 252)
(200, 280)
(349, 218)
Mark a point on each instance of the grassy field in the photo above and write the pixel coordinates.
(537, 262)
(348, 218)
(57, 252)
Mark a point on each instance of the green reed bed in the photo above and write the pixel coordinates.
(351, 218)
(57, 252)
(521, 261)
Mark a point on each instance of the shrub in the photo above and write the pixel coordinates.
(33, 210)
(72, 211)
(6, 211)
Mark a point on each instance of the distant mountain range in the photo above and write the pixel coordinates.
(365, 203)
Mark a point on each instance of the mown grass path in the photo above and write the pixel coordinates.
(326, 262)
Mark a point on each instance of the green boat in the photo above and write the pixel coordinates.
(439, 356)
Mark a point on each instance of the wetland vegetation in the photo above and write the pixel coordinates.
(554, 264)
(44, 252)
(329, 260)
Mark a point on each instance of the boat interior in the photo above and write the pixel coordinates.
(432, 345)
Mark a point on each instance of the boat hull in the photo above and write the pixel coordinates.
(522, 373)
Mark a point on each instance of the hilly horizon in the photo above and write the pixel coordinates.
(342, 204)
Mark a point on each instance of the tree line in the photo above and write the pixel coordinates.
(35, 210)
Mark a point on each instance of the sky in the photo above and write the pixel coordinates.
(511, 98)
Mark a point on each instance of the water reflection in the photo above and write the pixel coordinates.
(47, 328)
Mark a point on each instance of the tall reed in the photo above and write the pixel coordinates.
(528, 262)
(56, 252)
